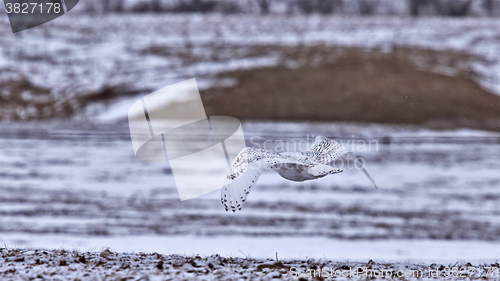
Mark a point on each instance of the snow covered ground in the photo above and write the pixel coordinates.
(106, 265)
(83, 189)
(116, 55)
(78, 185)
(302, 248)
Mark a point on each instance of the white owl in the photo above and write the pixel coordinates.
(295, 166)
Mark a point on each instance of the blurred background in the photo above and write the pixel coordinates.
(418, 79)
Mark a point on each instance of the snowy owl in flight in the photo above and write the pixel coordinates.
(295, 166)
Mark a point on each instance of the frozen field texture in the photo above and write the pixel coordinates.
(84, 189)
(109, 265)
(77, 185)
(124, 55)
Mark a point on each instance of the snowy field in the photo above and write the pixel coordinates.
(83, 189)
(126, 55)
(109, 265)
(76, 184)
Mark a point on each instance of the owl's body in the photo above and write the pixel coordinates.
(295, 166)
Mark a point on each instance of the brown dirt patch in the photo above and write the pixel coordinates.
(334, 84)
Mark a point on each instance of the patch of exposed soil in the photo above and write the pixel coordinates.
(334, 84)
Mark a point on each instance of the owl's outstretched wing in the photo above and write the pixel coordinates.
(246, 170)
(234, 193)
(249, 165)
(325, 151)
